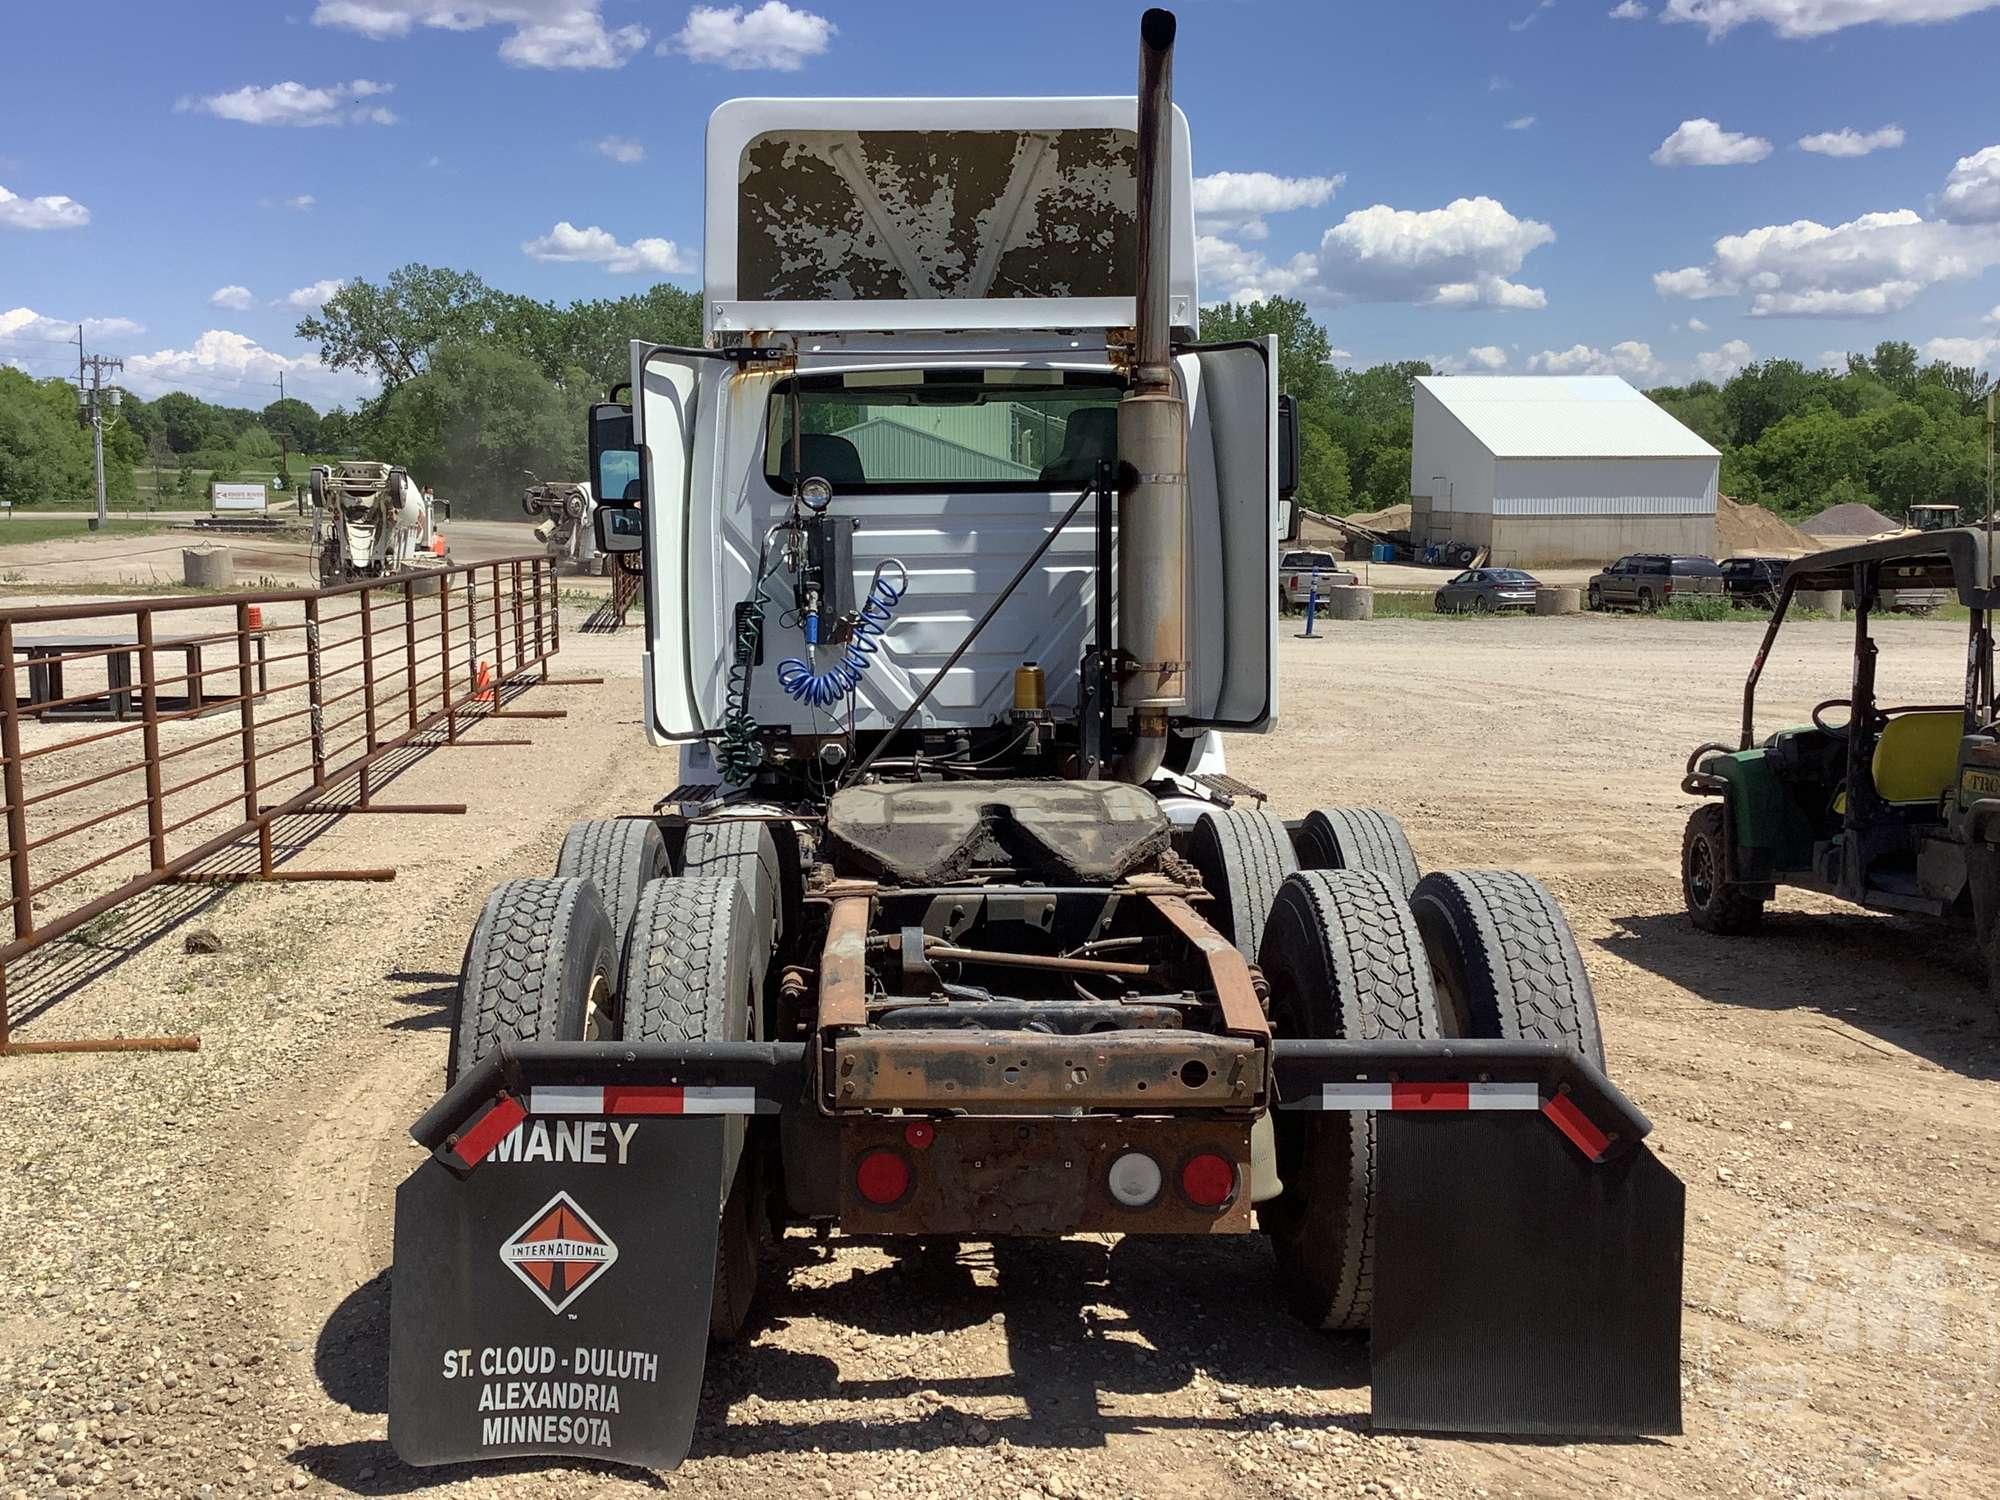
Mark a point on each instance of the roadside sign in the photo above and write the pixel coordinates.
(238, 498)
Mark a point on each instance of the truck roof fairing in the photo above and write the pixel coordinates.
(880, 215)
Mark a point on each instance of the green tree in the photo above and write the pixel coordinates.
(1325, 484)
(293, 420)
(390, 331)
(1303, 347)
(1389, 478)
(188, 421)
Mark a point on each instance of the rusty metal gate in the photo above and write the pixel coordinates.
(143, 739)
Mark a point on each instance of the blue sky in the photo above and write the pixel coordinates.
(1518, 185)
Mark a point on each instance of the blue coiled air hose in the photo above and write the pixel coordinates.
(824, 689)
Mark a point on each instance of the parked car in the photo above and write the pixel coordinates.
(1296, 570)
(1484, 590)
(1646, 580)
(1752, 582)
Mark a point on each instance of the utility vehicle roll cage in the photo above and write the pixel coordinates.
(1960, 561)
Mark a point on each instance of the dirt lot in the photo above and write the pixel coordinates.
(192, 1285)
(280, 561)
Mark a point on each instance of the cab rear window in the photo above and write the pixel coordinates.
(893, 431)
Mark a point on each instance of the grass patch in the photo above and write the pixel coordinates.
(20, 529)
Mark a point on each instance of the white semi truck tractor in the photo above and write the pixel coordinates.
(959, 563)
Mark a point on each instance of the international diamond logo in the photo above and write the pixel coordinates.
(558, 1252)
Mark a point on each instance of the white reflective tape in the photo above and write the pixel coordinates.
(718, 1099)
(1354, 1096)
(1520, 1093)
(565, 1099)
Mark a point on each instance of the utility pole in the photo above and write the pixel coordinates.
(284, 444)
(92, 398)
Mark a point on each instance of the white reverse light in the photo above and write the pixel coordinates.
(1135, 1179)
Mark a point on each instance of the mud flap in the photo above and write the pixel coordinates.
(557, 1304)
(1520, 1287)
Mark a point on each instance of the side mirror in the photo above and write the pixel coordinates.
(1288, 448)
(614, 461)
(620, 528)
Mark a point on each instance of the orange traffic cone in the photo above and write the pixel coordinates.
(437, 545)
(256, 613)
(482, 691)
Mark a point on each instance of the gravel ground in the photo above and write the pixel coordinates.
(193, 1297)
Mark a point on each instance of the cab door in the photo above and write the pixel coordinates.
(675, 392)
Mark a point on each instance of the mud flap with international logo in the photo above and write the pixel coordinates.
(552, 1295)
(1521, 1287)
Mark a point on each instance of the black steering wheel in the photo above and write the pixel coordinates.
(1837, 730)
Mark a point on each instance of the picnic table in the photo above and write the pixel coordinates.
(47, 655)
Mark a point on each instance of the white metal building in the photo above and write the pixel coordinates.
(1557, 468)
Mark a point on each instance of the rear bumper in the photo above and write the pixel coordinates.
(635, 1079)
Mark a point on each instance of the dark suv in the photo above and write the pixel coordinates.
(1753, 582)
(1646, 580)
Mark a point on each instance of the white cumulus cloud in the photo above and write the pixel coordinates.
(1848, 141)
(310, 298)
(1720, 364)
(1236, 202)
(1871, 265)
(51, 212)
(220, 360)
(541, 33)
(1521, 122)
(1695, 325)
(1481, 359)
(1631, 359)
(1627, 10)
(595, 246)
(1805, 18)
(1703, 143)
(1461, 255)
(292, 103)
(1977, 352)
(233, 297)
(26, 325)
(621, 149)
(1972, 190)
(773, 35)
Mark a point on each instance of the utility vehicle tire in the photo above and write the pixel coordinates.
(1504, 961)
(1646, 600)
(1357, 838)
(618, 856)
(1244, 855)
(690, 976)
(1596, 597)
(743, 849)
(1344, 960)
(540, 967)
(1714, 904)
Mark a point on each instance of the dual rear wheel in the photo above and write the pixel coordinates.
(1356, 945)
(614, 947)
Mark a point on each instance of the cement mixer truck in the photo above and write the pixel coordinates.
(369, 520)
(565, 517)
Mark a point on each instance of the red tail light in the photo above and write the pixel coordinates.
(1209, 1180)
(882, 1177)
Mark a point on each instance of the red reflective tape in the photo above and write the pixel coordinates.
(1429, 1096)
(489, 1129)
(1575, 1124)
(634, 1100)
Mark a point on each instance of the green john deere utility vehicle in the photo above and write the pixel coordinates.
(1895, 808)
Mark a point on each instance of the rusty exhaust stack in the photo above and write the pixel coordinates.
(1152, 440)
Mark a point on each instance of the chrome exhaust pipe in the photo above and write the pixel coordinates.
(1152, 439)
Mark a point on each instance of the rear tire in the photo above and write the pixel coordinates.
(1504, 961)
(744, 850)
(539, 968)
(690, 975)
(1344, 960)
(1244, 855)
(1713, 903)
(1646, 600)
(618, 856)
(1358, 838)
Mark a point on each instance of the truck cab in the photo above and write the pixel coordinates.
(927, 325)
